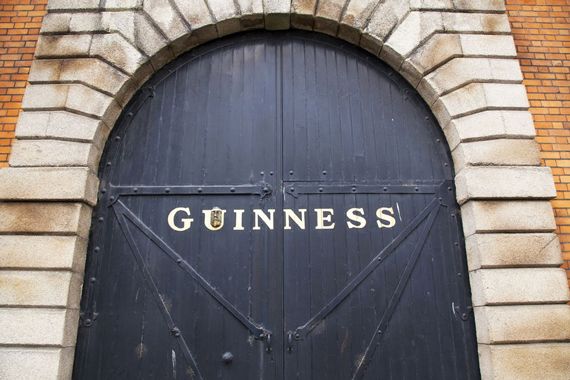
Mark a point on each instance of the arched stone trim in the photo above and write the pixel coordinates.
(92, 58)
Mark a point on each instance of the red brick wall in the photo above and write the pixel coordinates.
(20, 22)
(541, 29)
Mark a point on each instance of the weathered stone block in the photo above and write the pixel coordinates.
(488, 45)
(226, 15)
(56, 23)
(251, 14)
(115, 49)
(35, 363)
(528, 323)
(195, 12)
(460, 71)
(511, 182)
(518, 286)
(327, 16)
(60, 5)
(355, 18)
(478, 97)
(516, 152)
(277, 14)
(302, 13)
(507, 216)
(42, 252)
(56, 218)
(53, 153)
(488, 125)
(33, 326)
(61, 125)
(513, 250)
(40, 288)
(166, 17)
(76, 184)
(41, 96)
(63, 45)
(525, 361)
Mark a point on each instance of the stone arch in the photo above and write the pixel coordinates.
(92, 58)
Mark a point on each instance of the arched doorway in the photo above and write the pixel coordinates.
(277, 206)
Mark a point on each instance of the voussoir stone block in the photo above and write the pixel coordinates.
(525, 361)
(118, 51)
(195, 13)
(227, 16)
(40, 288)
(507, 216)
(490, 125)
(61, 125)
(467, 5)
(53, 153)
(251, 14)
(277, 14)
(38, 326)
(461, 71)
(35, 363)
(477, 97)
(45, 218)
(504, 182)
(501, 152)
(513, 250)
(302, 12)
(327, 16)
(166, 17)
(63, 45)
(42, 252)
(518, 286)
(355, 18)
(526, 323)
(76, 184)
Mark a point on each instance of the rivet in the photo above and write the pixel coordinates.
(426, 117)
(290, 172)
(354, 189)
(437, 140)
(385, 189)
(87, 322)
(178, 261)
(324, 172)
(379, 331)
(449, 189)
(270, 173)
(459, 274)
(227, 357)
(101, 219)
(175, 331)
(292, 189)
(200, 189)
(453, 215)
(297, 335)
(417, 189)
(111, 198)
(261, 173)
(92, 279)
(167, 190)
(136, 189)
(130, 114)
(456, 244)
(118, 138)
(320, 189)
(233, 189)
(108, 163)
(96, 249)
(445, 164)
(103, 191)
(464, 316)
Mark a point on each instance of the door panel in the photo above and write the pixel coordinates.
(289, 125)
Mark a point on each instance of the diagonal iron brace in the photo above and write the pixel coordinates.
(303, 331)
(258, 331)
(151, 285)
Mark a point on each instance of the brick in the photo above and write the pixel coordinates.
(513, 250)
(508, 182)
(74, 184)
(517, 324)
(44, 218)
(518, 286)
(44, 288)
(36, 363)
(32, 326)
(42, 252)
(507, 216)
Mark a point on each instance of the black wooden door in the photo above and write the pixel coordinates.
(276, 206)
